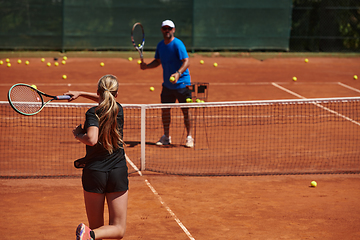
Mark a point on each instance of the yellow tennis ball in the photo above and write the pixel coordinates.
(172, 79)
(201, 61)
(130, 58)
(43, 60)
(64, 76)
(63, 62)
(139, 61)
(34, 86)
(306, 60)
(56, 64)
(1, 62)
(8, 64)
(215, 64)
(102, 64)
(313, 184)
(7, 60)
(27, 62)
(65, 58)
(355, 77)
(294, 79)
(188, 100)
(48, 64)
(152, 89)
(19, 61)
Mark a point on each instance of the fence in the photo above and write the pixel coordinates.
(295, 25)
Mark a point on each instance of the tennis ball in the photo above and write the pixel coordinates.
(8, 64)
(294, 79)
(65, 58)
(201, 61)
(355, 77)
(139, 61)
(34, 86)
(313, 184)
(43, 60)
(172, 79)
(102, 64)
(1, 62)
(130, 59)
(152, 89)
(19, 61)
(7, 60)
(188, 100)
(306, 60)
(64, 76)
(63, 62)
(139, 44)
(215, 64)
(27, 62)
(198, 100)
(48, 64)
(56, 64)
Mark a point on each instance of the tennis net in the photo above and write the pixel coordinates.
(231, 138)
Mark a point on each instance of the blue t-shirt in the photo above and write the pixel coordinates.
(171, 56)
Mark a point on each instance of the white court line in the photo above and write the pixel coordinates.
(351, 88)
(316, 104)
(161, 200)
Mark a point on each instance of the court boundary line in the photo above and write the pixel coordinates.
(348, 87)
(316, 104)
(153, 190)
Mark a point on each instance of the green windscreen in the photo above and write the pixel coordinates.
(106, 24)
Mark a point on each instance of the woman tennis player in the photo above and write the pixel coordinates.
(105, 174)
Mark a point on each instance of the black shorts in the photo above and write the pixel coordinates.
(115, 180)
(170, 95)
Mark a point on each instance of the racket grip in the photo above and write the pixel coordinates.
(63, 97)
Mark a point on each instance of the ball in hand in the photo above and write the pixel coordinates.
(172, 79)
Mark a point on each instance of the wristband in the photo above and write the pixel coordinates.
(179, 73)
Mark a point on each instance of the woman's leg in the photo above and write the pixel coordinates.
(94, 203)
(117, 204)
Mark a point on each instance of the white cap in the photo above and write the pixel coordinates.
(168, 23)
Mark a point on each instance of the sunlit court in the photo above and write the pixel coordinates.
(274, 118)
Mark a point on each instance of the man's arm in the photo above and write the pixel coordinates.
(181, 70)
(155, 63)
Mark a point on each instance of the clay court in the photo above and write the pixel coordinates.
(181, 207)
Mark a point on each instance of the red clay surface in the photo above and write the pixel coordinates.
(266, 207)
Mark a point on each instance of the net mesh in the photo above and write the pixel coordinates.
(235, 138)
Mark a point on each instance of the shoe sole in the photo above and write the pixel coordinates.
(80, 231)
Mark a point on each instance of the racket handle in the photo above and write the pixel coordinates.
(63, 97)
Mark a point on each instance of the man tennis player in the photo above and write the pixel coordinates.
(172, 55)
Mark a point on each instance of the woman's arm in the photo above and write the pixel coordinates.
(75, 94)
(90, 137)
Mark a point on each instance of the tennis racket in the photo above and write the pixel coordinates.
(28, 101)
(138, 38)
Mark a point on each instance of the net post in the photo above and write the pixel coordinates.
(143, 131)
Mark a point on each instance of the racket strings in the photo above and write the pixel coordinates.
(26, 99)
(138, 36)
